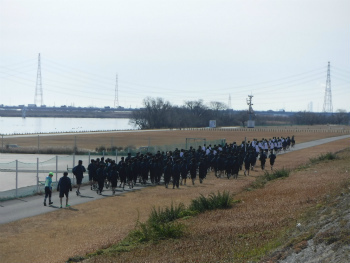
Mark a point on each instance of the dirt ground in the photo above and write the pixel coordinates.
(56, 236)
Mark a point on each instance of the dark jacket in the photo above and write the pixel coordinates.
(64, 184)
(79, 171)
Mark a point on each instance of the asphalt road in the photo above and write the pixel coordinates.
(16, 209)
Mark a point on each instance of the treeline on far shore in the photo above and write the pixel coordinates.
(158, 113)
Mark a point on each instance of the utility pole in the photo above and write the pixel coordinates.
(229, 102)
(251, 122)
(327, 104)
(38, 88)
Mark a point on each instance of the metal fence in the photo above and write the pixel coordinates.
(26, 178)
(22, 178)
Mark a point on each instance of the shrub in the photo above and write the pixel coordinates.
(167, 214)
(151, 231)
(262, 180)
(101, 149)
(276, 174)
(324, 157)
(219, 201)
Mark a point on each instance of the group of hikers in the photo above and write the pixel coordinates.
(176, 166)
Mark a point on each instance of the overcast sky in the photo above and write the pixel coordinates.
(178, 50)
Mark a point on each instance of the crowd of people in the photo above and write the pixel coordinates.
(173, 167)
(179, 165)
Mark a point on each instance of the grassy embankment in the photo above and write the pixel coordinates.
(264, 218)
(215, 235)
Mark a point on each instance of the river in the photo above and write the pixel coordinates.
(17, 125)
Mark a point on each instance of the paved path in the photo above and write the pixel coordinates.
(16, 209)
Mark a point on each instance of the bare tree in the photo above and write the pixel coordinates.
(155, 114)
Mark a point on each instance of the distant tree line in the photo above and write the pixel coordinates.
(157, 113)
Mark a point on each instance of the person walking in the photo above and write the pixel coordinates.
(48, 188)
(176, 173)
(64, 186)
(272, 157)
(193, 170)
(247, 164)
(79, 171)
(168, 173)
(100, 178)
(92, 173)
(262, 159)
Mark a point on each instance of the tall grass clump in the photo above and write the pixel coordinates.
(276, 174)
(262, 180)
(324, 157)
(213, 201)
(160, 224)
(167, 214)
(151, 231)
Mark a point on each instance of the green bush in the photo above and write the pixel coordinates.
(166, 215)
(151, 231)
(219, 201)
(324, 157)
(262, 180)
(276, 174)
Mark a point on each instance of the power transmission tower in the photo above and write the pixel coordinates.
(229, 102)
(38, 88)
(116, 100)
(327, 103)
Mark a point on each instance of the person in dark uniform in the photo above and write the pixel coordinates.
(247, 164)
(176, 173)
(202, 170)
(167, 173)
(272, 157)
(183, 171)
(193, 170)
(113, 175)
(100, 178)
(64, 186)
(92, 172)
(235, 167)
(262, 159)
(122, 174)
(79, 171)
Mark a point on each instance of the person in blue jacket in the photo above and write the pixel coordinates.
(48, 188)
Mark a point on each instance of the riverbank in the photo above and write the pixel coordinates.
(66, 113)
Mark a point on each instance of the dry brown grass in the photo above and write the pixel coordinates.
(138, 139)
(56, 236)
(256, 224)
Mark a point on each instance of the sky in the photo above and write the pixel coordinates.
(178, 50)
